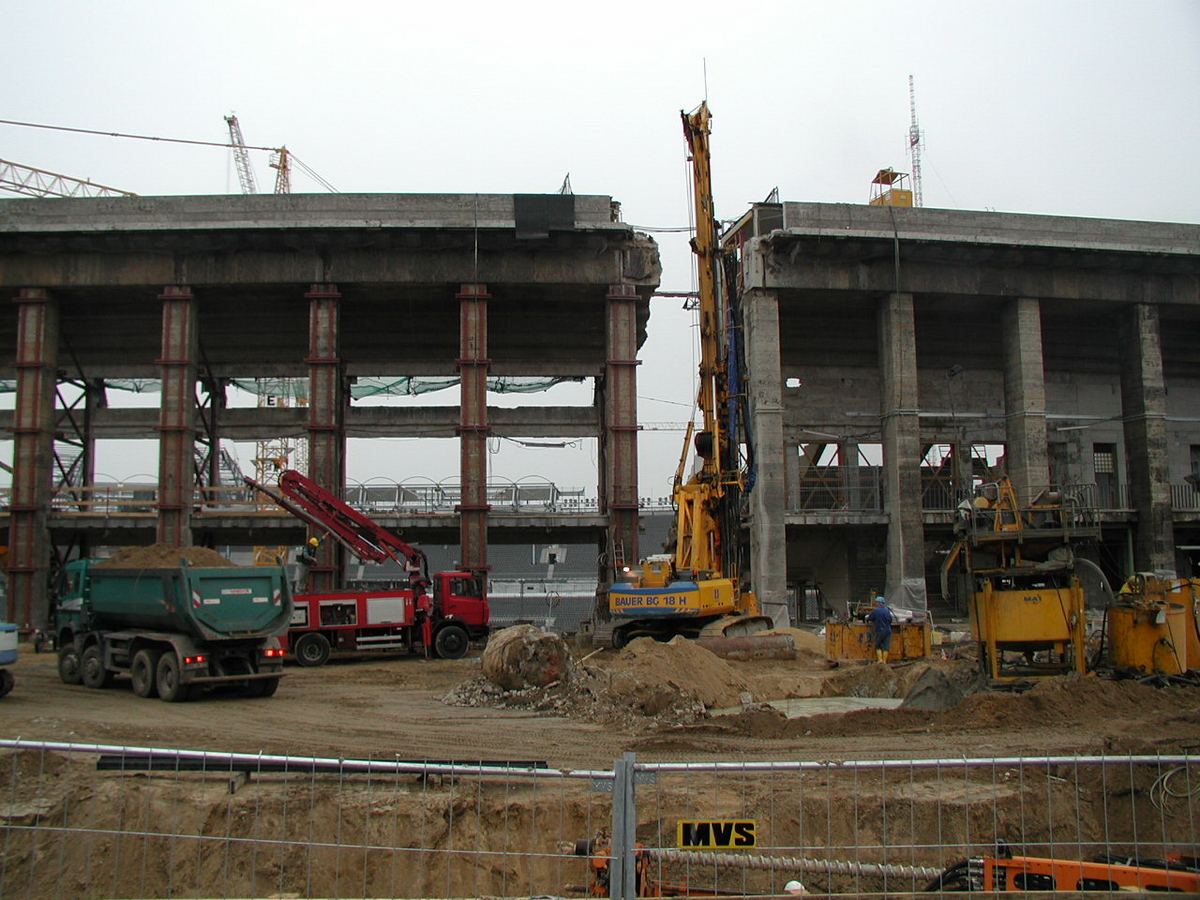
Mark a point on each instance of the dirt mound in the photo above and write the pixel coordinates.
(525, 656)
(647, 685)
(163, 556)
(680, 667)
(1086, 704)
(873, 680)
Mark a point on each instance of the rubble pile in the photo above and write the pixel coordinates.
(646, 685)
(524, 656)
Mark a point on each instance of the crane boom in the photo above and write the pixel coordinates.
(40, 183)
(703, 502)
(241, 156)
(366, 539)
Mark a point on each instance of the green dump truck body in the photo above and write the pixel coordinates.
(210, 604)
(173, 630)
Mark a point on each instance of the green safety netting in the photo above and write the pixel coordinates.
(362, 387)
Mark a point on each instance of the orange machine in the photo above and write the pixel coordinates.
(1107, 873)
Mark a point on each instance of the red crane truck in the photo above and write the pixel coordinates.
(443, 613)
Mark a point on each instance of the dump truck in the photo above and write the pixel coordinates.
(174, 631)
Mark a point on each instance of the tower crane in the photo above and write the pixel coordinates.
(271, 457)
(280, 161)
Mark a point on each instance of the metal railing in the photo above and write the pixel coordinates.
(93, 821)
(832, 492)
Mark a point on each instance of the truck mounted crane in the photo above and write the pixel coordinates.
(701, 587)
(443, 612)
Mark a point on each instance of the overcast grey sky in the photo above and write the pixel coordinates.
(1060, 108)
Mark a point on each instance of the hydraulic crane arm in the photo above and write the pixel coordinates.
(366, 539)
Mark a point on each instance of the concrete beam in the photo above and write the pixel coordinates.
(254, 424)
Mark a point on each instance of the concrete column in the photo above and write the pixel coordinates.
(1144, 408)
(1025, 397)
(177, 416)
(29, 545)
(764, 389)
(618, 442)
(901, 453)
(326, 419)
(473, 428)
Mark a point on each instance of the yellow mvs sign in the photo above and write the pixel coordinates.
(717, 834)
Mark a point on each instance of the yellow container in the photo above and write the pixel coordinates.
(846, 641)
(1148, 639)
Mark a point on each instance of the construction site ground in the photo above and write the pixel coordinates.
(654, 699)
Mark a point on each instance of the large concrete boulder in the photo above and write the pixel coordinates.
(525, 656)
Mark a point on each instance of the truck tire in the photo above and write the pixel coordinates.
(451, 642)
(169, 679)
(69, 671)
(311, 649)
(265, 687)
(143, 672)
(6, 681)
(92, 670)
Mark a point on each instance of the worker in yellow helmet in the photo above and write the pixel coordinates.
(307, 557)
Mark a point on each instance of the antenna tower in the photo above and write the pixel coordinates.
(914, 143)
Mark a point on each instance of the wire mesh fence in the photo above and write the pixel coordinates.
(89, 821)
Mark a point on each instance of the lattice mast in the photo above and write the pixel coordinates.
(915, 139)
(33, 182)
(241, 156)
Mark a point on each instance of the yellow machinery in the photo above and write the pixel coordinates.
(1151, 627)
(1027, 604)
(846, 641)
(890, 188)
(698, 588)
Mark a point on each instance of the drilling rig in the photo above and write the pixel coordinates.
(701, 587)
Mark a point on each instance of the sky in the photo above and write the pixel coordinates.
(1057, 108)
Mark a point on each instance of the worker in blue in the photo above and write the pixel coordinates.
(880, 618)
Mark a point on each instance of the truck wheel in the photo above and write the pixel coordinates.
(169, 680)
(144, 673)
(264, 688)
(451, 642)
(92, 670)
(311, 649)
(6, 681)
(69, 670)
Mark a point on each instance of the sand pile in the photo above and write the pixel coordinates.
(163, 556)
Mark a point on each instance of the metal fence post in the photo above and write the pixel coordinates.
(623, 881)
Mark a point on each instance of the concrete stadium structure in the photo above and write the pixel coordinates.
(885, 344)
(198, 291)
(896, 358)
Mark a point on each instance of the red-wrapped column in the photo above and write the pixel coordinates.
(326, 419)
(29, 545)
(473, 430)
(177, 416)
